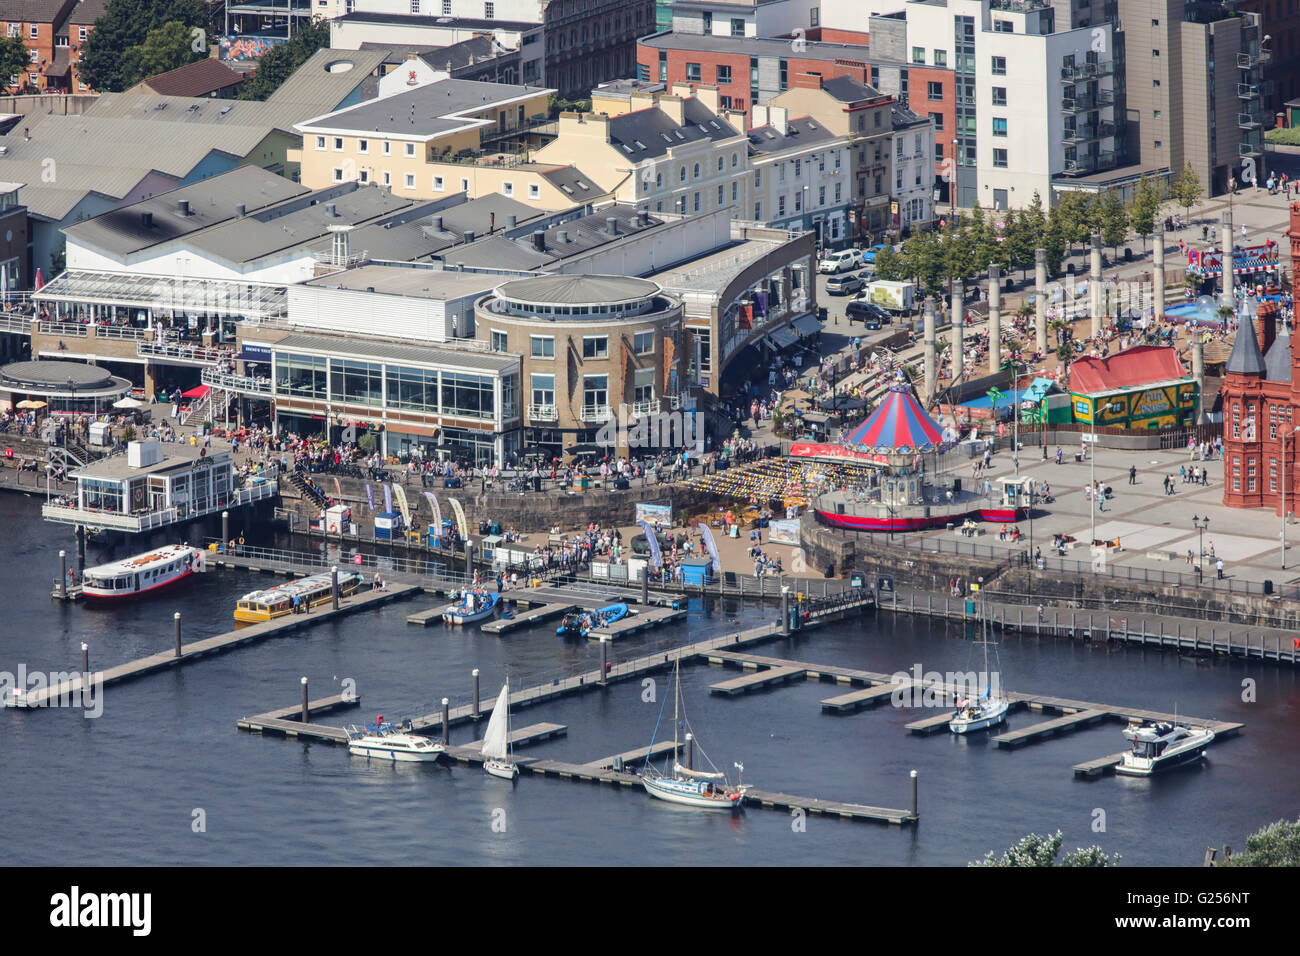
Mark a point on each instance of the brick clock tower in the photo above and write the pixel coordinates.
(1261, 407)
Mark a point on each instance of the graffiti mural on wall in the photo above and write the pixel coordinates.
(247, 48)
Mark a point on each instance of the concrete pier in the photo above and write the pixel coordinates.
(995, 317)
(1094, 285)
(931, 349)
(1040, 300)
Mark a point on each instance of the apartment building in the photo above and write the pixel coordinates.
(862, 115)
(665, 152)
(1280, 48)
(911, 170)
(745, 18)
(800, 177)
(1196, 89)
(36, 23)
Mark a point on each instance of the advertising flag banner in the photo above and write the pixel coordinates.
(459, 512)
(656, 558)
(711, 546)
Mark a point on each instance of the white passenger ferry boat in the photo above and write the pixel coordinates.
(141, 574)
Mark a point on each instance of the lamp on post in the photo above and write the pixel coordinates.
(1200, 524)
(1285, 436)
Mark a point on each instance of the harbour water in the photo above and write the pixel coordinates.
(124, 789)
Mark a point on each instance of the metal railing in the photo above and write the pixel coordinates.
(121, 332)
(1249, 149)
(645, 408)
(149, 520)
(1247, 91)
(64, 329)
(201, 354)
(16, 323)
(1249, 120)
(1087, 71)
(542, 413)
(244, 384)
(595, 413)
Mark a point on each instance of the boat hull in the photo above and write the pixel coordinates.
(1147, 768)
(675, 792)
(96, 596)
(455, 615)
(964, 725)
(502, 769)
(397, 756)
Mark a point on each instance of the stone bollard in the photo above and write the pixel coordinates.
(914, 803)
(474, 711)
(176, 621)
(334, 587)
(446, 721)
(306, 711)
(85, 658)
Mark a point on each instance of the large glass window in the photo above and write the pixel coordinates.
(644, 342)
(543, 389)
(543, 346)
(414, 388)
(595, 390)
(466, 395)
(300, 376)
(509, 396)
(643, 385)
(595, 346)
(356, 383)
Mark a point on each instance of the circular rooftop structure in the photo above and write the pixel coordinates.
(61, 380)
(579, 295)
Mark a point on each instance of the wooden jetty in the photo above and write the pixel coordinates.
(845, 811)
(537, 614)
(636, 621)
(931, 724)
(659, 749)
(1099, 765)
(248, 634)
(528, 735)
(858, 699)
(756, 680)
(326, 705)
(1049, 728)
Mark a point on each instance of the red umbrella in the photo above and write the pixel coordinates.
(197, 391)
(40, 281)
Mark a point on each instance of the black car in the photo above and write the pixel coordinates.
(868, 313)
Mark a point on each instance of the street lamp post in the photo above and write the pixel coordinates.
(1090, 438)
(1200, 524)
(1285, 436)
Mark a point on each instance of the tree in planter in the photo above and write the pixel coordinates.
(1112, 219)
(1142, 211)
(368, 443)
(1186, 189)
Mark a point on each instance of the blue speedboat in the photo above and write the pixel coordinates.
(582, 623)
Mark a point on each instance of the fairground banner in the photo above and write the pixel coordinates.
(805, 449)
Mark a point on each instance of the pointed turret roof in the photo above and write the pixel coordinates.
(1246, 358)
(1277, 363)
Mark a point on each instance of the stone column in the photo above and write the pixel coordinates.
(958, 328)
(1158, 276)
(995, 317)
(1198, 373)
(1225, 243)
(931, 349)
(1094, 285)
(1040, 300)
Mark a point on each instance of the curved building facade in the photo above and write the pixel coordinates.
(600, 354)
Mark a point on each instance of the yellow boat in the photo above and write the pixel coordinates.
(276, 602)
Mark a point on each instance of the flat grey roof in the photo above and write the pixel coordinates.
(175, 455)
(447, 23)
(54, 374)
(424, 112)
(711, 274)
(763, 46)
(492, 362)
(578, 289)
(419, 283)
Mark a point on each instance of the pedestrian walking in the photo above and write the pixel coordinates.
(1218, 566)
(1132, 474)
(1182, 473)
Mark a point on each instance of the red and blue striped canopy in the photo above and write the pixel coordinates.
(900, 424)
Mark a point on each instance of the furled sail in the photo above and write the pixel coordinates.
(494, 741)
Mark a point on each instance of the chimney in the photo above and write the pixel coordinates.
(643, 217)
(146, 220)
(330, 210)
(241, 209)
(708, 97)
(539, 240)
(675, 108)
(512, 221)
(779, 117)
(1267, 315)
(562, 237)
(680, 89)
(758, 115)
(611, 225)
(437, 223)
(183, 207)
(469, 235)
(460, 267)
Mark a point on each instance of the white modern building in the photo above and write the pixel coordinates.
(744, 18)
(911, 169)
(1033, 103)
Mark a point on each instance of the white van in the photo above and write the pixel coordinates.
(840, 261)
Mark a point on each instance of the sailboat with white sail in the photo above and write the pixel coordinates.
(497, 746)
(707, 790)
(986, 709)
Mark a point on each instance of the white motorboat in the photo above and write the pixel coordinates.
(389, 742)
(140, 575)
(497, 747)
(475, 605)
(1159, 745)
(705, 790)
(986, 709)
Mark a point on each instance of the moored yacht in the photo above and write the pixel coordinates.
(140, 575)
(1159, 745)
(390, 742)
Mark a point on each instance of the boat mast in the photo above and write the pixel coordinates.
(677, 696)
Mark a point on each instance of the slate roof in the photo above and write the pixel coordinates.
(1277, 363)
(650, 132)
(194, 79)
(1246, 358)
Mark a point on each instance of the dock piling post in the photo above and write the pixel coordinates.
(225, 528)
(85, 659)
(913, 778)
(645, 586)
(785, 612)
(81, 547)
(475, 712)
(306, 712)
(688, 752)
(334, 586)
(469, 562)
(604, 660)
(176, 622)
(446, 721)
(62, 587)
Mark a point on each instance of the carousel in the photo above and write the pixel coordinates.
(909, 487)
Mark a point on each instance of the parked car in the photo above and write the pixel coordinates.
(843, 260)
(866, 311)
(845, 284)
(869, 255)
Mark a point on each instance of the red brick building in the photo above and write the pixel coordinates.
(749, 70)
(53, 32)
(1261, 407)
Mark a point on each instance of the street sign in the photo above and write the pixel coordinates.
(1088, 437)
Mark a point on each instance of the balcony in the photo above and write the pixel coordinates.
(595, 413)
(243, 384)
(542, 413)
(1248, 61)
(1249, 120)
(184, 354)
(1250, 149)
(1082, 104)
(1090, 164)
(1247, 91)
(645, 408)
(1087, 71)
(1086, 134)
